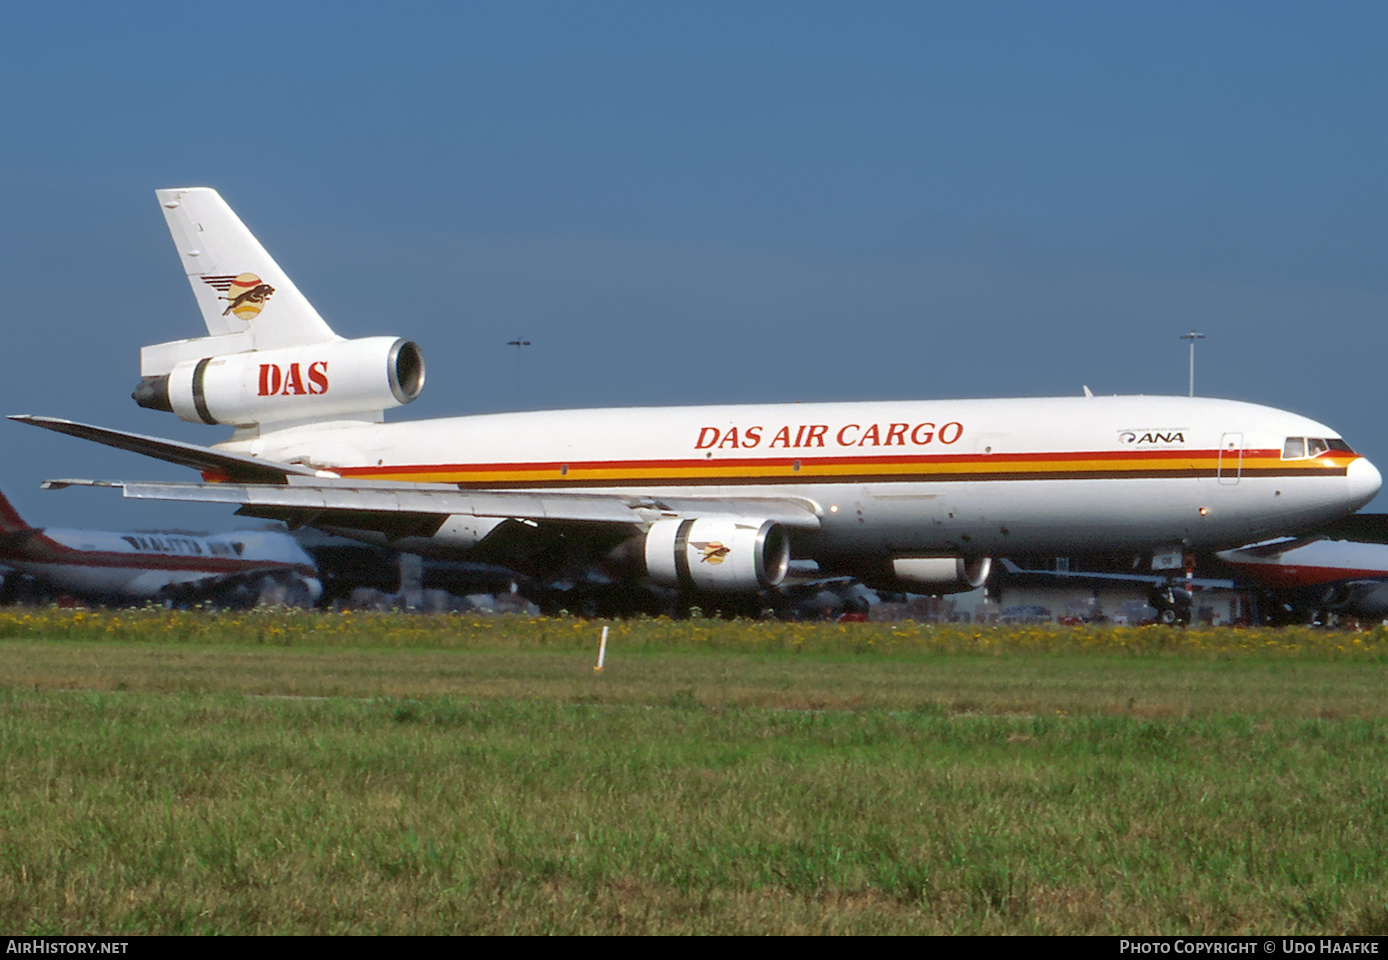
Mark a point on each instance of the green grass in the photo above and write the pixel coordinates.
(168, 774)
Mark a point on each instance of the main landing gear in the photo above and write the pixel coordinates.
(1172, 604)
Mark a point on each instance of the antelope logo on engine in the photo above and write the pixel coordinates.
(246, 292)
(289, 381)
(713, 551)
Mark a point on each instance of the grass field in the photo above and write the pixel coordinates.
(278, 773)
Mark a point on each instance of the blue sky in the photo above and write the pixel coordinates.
(714, 202)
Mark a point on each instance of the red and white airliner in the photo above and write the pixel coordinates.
(144, 566)
(1313, 578)
(911, 494)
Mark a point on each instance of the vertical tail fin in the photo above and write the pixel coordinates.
(240, 289)
(269, 357)
(10, 521)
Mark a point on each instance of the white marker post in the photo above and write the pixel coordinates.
(602, 651)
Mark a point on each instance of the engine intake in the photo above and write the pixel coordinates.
(330, 379)
(719, 555)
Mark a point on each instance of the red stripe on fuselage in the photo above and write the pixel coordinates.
(786, 459)
(710, 471)
(40, 548)
(129, 561)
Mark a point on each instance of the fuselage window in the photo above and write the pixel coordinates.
(1294, 448)
(1315, 447)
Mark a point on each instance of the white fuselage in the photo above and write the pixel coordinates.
(967, 477)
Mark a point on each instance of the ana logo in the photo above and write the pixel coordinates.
(246, 293)
(1152, 436)
(713, 551)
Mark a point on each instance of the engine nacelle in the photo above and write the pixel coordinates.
(718, 555)
(332, 379)
(942, 574)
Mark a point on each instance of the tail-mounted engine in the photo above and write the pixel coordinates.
(336, 378)
(718, 555)
(269, 358)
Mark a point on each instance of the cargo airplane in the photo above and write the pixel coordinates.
(914, 495)
(157, 566)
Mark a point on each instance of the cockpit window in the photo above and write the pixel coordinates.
(1302, 448)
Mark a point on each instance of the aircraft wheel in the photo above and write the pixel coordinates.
(298, 594)
(1166, 617)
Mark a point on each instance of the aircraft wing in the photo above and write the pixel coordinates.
(1275, 548)
(402, 509)
(302, 495)
(1152, 578)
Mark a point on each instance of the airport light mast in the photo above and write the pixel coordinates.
(1192, 337)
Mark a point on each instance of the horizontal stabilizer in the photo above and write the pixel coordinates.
(235, 467)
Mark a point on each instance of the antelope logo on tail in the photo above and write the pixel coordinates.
(247, 293)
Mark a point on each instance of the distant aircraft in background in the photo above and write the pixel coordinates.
(233, 569)
(1317, 580)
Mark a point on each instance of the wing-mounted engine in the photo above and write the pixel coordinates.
(944, 574)
(717, 555)
(338, 378)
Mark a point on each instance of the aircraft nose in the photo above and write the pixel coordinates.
(1363, 481)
